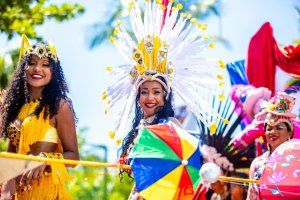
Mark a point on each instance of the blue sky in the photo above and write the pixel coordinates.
(85, 68)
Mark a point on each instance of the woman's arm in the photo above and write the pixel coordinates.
(11, 148)
(8, 188)
(252, 193)
(65, 125)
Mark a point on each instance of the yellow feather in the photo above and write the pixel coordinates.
(52, 48)
(24, 42)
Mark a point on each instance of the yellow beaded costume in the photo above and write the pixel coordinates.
(32, 130)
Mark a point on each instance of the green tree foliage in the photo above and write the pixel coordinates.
(3, 145)
(96, 183)
(8, 62)
(22, 16)
(104, 29)
(199, 9)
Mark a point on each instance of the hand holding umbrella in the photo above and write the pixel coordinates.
(165, 162)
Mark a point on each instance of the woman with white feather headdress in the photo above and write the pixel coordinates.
(164, 56)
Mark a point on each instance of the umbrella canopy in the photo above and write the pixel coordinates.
(165, 162)
(281, 176)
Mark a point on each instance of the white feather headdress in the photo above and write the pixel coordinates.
(167, 46)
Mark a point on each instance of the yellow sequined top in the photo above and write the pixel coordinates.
(44, 132)
(34, 129)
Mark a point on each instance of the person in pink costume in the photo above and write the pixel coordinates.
(279, 128)
(251, 102)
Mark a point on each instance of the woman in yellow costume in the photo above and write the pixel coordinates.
(39, 120)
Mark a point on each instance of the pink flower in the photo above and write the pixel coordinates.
(263, 186)
(272, 161)
(296, 172)
(276, 177)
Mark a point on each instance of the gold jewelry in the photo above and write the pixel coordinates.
(41, 50)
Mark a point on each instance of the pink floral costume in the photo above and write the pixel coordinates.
(256, 170)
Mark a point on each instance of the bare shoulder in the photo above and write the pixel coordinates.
(65, 105)
(65, 111)
(65, 118)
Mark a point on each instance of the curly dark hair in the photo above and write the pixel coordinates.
(164, 112)
(18, 93)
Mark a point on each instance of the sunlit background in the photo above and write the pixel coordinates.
(84, 66)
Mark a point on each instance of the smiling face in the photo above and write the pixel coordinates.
(38, 72)
(151, 97)
(276, 135)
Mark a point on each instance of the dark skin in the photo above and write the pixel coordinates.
(67, 134)
(38, 75)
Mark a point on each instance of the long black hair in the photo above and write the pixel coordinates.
(18, 93)
(164, 112)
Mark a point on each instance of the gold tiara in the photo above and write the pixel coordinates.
(41, 50)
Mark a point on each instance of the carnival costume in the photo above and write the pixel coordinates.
(217, 146)
(28, 129)
(254, 102)
(166, 44)
(251, 101)
(279, 110)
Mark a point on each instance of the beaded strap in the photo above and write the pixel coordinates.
(52, 155)
(14, 134)
(48, 169)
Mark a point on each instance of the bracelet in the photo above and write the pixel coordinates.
(52, 155)
(48, 169)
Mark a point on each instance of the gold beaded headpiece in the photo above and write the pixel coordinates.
(40, 49)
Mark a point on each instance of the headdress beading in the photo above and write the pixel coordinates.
(170, 47)
(280, 109)
(39, 49)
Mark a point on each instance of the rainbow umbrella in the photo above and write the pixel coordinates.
(281, 176)
(165, 162)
